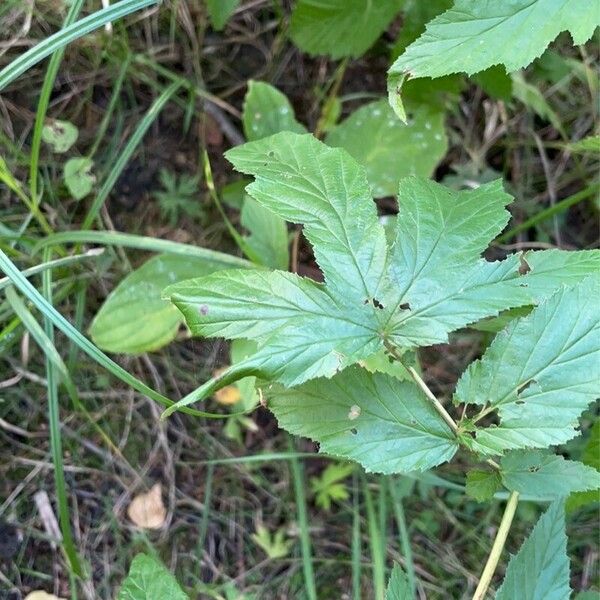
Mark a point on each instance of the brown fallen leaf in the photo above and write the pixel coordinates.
(147, 510)
(41, 595)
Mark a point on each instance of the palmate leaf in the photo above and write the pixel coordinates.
(540, 373)
(473, 36)
(386, 425)
(398, 587)
(430, 282)
(540, 570)
(149, 579)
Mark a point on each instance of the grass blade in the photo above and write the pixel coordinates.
(376, 544)
(69, 34)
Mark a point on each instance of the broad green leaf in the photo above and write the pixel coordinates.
(60, 135)
(149, 579)
(482, 485)
(473, 36)
(134, 318)
(78, 177)
(267, 111)
(340, 28)
(388, 148)
(220, 10)
(540, 569)
(591, 458)
(268, 234)
(540, 473)
(385, 425)
(540, 373)
(398, 587)
(435, 281)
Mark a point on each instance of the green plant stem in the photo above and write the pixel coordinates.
(497, 547)
(409, 566)
(423, 386)
(377, 556)
(299, 486)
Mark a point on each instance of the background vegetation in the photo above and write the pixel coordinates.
(129, 115)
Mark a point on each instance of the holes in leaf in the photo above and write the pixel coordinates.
(354, 431)
(534, 469)
(271, 153)
(405, 306)
(375, 303)
(524, 267)
(523, 387)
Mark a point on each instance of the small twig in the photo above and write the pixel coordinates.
(498, 547)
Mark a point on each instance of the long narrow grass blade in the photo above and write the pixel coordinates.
(47, 346)
(69, 34)
(126, 153)
(299, 487)
(376, 544)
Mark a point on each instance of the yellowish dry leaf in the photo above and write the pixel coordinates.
(41, 595)
(148, 510)
(228, 395)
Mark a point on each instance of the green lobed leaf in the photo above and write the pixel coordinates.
(398, 587)
(149, 579)
(219, 11)
(482, 485)
(78, 177)
(388, 148)
(473, 36)
(340, 28)
(385, 425)
(541, 473)
(540, 570)
(134, 318)
(540, 373)
(267, 111)
(434, 282)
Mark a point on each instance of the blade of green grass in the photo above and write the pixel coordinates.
(90, 349)
(398, 507)
(54, 264)
(546, 214)
(46, 344)
(126, 153)
(305, 545)
(376, 544)
(356, 542)
(67, 35)
(140, 242)
(43, 102)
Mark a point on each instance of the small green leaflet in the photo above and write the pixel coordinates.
(78, 177)
(587, 145)
(540, 473)
(340, 28)
(59, 135)
(431, 282)
(220, 10)
(482, 485)
(267, 111)
(388, 148)
(149, 579)
(385, 425)
(540, 570)
(398, 587)
(134, 318)
(473, 36)
(540, 373)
